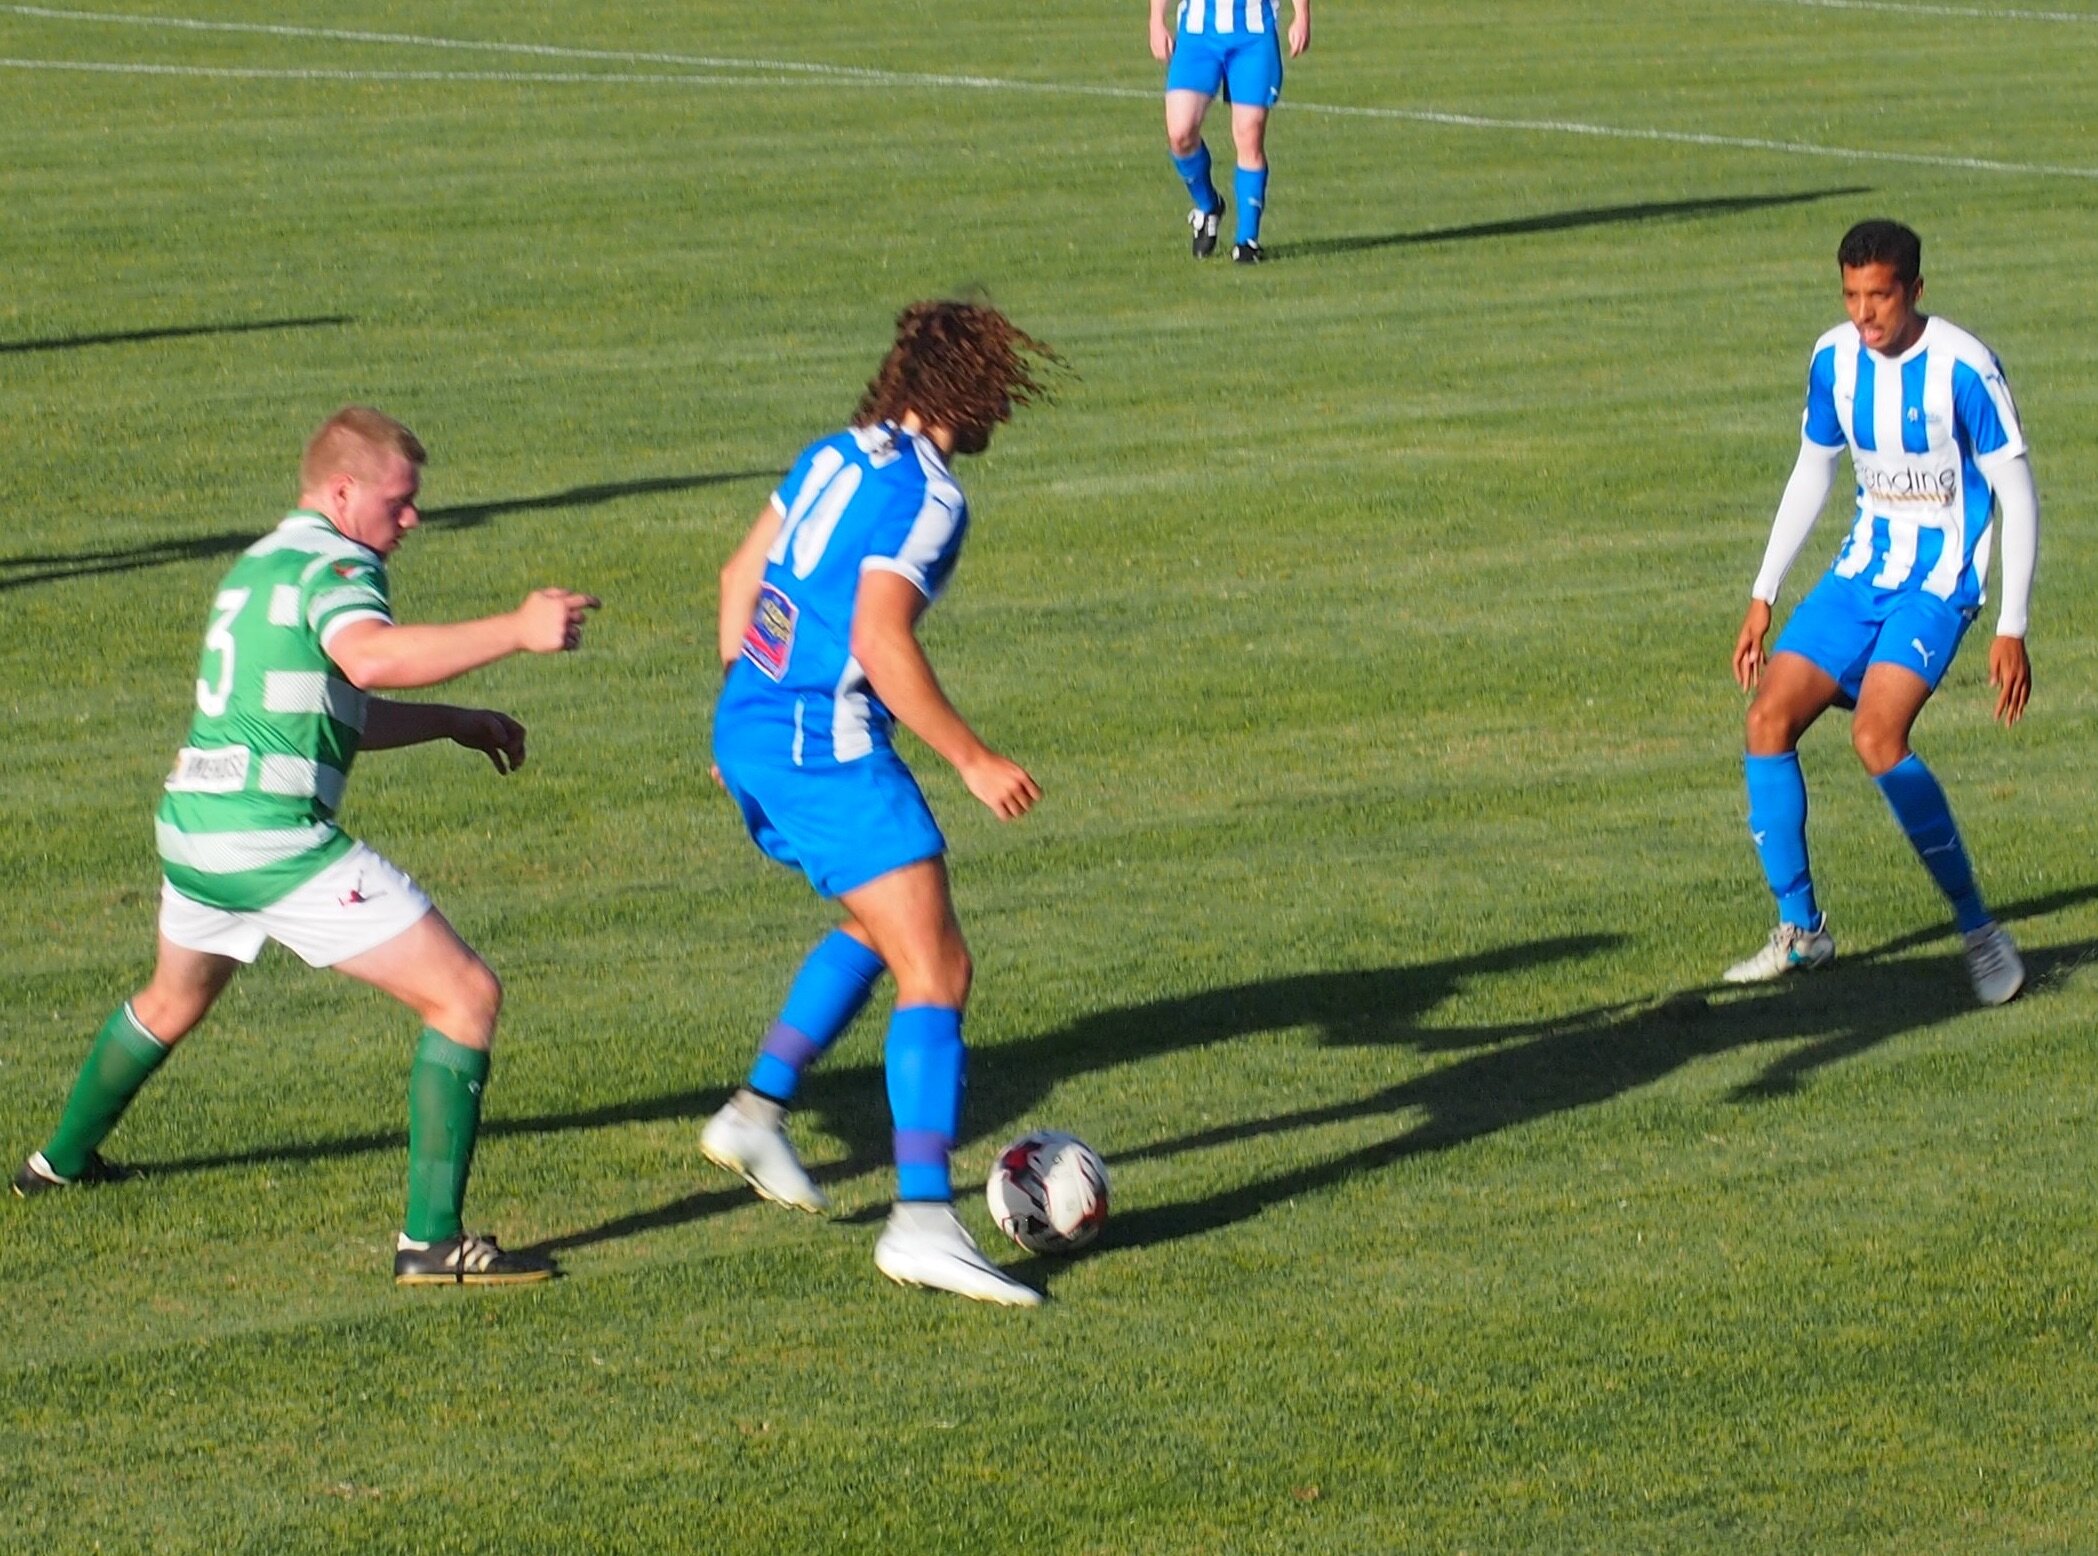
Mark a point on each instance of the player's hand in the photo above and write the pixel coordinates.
(1299, 32)
(497, 735)
(2010, 672)
(551, 620)
(1749, 657)
(1002, 785)
(1161, 40)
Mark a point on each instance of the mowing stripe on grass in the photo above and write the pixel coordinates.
(1792, 148)
(1962, 12)
(843, 74)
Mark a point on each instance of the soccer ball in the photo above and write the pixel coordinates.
(1048, 1192)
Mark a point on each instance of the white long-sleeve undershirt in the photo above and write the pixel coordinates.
(2018, 536)
(1813, 478)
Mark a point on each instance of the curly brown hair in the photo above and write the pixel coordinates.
(960, 365)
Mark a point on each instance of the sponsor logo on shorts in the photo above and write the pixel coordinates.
(1927, 655)
(357, 896)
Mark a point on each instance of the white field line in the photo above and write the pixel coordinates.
(1962, 12)
(325, 73)
(807, 73)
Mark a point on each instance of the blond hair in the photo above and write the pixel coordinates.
(349, 442)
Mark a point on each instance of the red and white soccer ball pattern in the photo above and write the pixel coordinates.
(1048, 1192)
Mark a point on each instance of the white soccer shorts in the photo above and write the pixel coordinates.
(355, 905)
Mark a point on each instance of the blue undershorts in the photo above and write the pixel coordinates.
(1843, 627)
(1250, 61)
(841, 824)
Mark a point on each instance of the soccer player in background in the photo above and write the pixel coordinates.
(1938, 453)
(1230, 44)
(819, 649)
(301, 630)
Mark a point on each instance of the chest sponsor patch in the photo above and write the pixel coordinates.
(223, 770)
(768, 642)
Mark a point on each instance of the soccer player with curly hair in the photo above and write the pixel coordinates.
(818, 638)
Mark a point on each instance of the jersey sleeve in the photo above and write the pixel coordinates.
(1820, 425)
(344, 591)
(1985, 417)
(920, 538)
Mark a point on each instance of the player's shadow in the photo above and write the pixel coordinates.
(1506, 1075)
(1559, 221)
(170, 332)
(27, 569)
(849, 1102)
(1355, 1008)
(1839, 1015)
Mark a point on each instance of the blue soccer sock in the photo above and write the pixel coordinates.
(1777, 820)
(1919, 805)
(1251, 187)
(926, 1066)
(831, 988)
(1194, 172)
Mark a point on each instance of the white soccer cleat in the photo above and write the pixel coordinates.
(764, 1158)
(1790, 949)
(1994, 965)
(925, 1245)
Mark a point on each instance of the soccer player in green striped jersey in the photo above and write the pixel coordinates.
(301, 632)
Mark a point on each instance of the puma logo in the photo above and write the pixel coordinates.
(1917, 645)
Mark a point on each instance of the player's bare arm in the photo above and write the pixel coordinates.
(885, 642)
(383, 656)
(1161, 31)
(390, 725)
(742, 576)
(1299, 28)
(1749, 653)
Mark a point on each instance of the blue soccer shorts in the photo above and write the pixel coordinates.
(1250, 61)
(842, 824)
(1844, 627)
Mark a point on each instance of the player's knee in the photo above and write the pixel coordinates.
(1878, 746)
(939, 976)
(1772, 730)
(1183, 139)
(467, 1011)
(169, 1016)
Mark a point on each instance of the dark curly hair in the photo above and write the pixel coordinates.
(960, 365)
(1882, 242)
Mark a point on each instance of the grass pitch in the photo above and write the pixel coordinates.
(1366, 619)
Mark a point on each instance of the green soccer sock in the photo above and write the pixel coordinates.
(444, 1113)
(124, 1057)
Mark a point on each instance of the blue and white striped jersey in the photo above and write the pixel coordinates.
(1924, 430)
(1201, 17)
(866, 499)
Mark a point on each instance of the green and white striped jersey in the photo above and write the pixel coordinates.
(250, 807)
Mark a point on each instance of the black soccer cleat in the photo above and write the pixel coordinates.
(36, 1176)
(1247, 254)
(1203, 224)
(466, 1260)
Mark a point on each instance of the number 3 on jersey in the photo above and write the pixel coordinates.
(218, 639)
